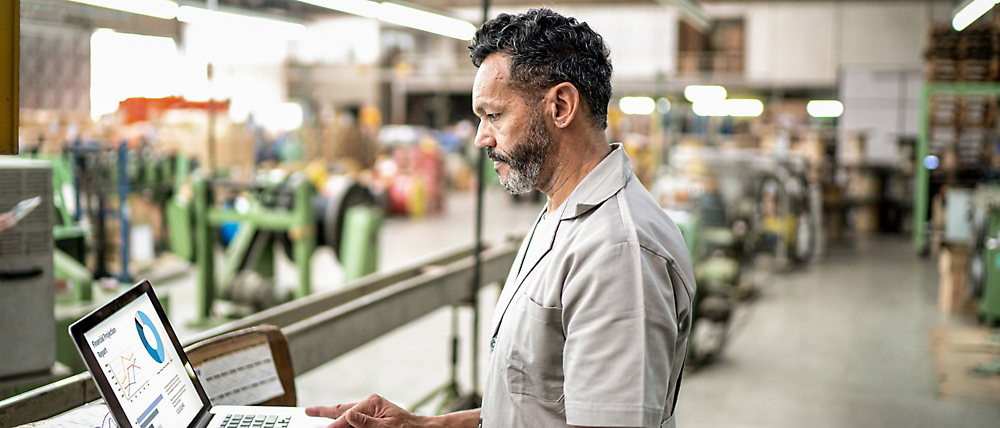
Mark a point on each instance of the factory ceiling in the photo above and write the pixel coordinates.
(299, 9)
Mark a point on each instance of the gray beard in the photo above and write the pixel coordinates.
(526, 159)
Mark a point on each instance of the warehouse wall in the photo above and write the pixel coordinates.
(248, 67)
(642, 38)
(790, 44)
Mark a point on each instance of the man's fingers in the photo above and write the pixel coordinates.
(332, 412)
(359, 420)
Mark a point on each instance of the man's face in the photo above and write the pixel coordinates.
(512, 131)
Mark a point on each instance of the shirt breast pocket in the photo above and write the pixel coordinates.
(536, 353)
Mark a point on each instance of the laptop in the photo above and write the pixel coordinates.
(145, 377)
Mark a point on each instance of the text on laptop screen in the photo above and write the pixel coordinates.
(143, 368)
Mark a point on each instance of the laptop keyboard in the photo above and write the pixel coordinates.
(255, 421)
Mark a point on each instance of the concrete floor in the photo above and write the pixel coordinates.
(842, 343)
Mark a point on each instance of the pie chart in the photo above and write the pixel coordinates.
(142, 322)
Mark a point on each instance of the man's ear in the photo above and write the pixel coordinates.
(564, 102)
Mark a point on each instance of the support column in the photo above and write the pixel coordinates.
(10, 16)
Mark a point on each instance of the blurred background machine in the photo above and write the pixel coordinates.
(27, 283)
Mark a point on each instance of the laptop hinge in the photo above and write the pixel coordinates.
(203, 419)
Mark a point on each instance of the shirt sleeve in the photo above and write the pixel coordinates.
(621, 333)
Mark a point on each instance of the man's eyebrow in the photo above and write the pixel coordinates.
(480, 108)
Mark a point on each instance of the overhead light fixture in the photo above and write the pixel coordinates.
(197, 15)
(708, 108)
(405, 16)
(825, 108)
(426, 21)
(163, 9)
(637, 105)
(744, 108)
(735, 108)
(704, 93)
(970, 11)
(365, 8)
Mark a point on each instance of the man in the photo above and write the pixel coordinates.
(592, 324)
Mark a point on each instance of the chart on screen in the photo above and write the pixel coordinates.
(128, 373)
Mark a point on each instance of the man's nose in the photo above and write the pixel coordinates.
(483, 138)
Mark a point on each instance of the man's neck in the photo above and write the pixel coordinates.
(574, 165)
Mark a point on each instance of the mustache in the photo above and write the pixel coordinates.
(493, 155)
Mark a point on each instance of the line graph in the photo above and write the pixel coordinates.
(128, 373)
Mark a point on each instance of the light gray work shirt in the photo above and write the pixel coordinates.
(592, 325)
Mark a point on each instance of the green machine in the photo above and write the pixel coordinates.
(256, 218)
(989, 301)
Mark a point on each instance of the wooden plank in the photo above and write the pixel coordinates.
(10, 23)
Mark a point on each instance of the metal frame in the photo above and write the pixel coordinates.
(921, 183)
(298, 222)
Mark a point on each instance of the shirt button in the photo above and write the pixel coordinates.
(493, 343)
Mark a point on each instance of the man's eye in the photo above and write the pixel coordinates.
(493, 116)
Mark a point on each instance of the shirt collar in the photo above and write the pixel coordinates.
(600, 184)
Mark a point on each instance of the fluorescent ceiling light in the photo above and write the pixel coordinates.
(196, 15)
(736, 108)
(744, 108)
(637, 105)
(426, 21)
(704, 93)
(970, 12)
(709, 108)
(365, 8)
(825, 108)
(162, 9)
(402, 15)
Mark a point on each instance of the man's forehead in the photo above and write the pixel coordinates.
(493, 74)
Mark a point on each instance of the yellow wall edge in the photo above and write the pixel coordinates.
(10, 20)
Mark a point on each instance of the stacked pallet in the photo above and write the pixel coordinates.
(961, 127)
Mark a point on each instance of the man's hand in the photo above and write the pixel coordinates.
(6, 221)
(372, 412)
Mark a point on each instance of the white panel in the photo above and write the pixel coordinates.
(870, 84)
(803, 43)
(340, 40)
(883, 33)
(655, 51)
(880, 102)
(758, 43)
(791, 43)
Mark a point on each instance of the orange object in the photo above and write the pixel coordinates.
(141, 109)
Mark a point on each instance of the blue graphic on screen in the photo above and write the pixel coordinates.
(157, 352)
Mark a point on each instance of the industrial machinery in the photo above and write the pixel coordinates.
(26, 273)
(984, 265)
(717, 244)
(255, 218)
(785, 216)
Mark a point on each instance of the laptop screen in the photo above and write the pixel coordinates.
(142, 366)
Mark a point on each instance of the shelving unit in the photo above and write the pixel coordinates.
(921, 198)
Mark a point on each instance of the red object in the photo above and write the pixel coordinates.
(141, 109)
